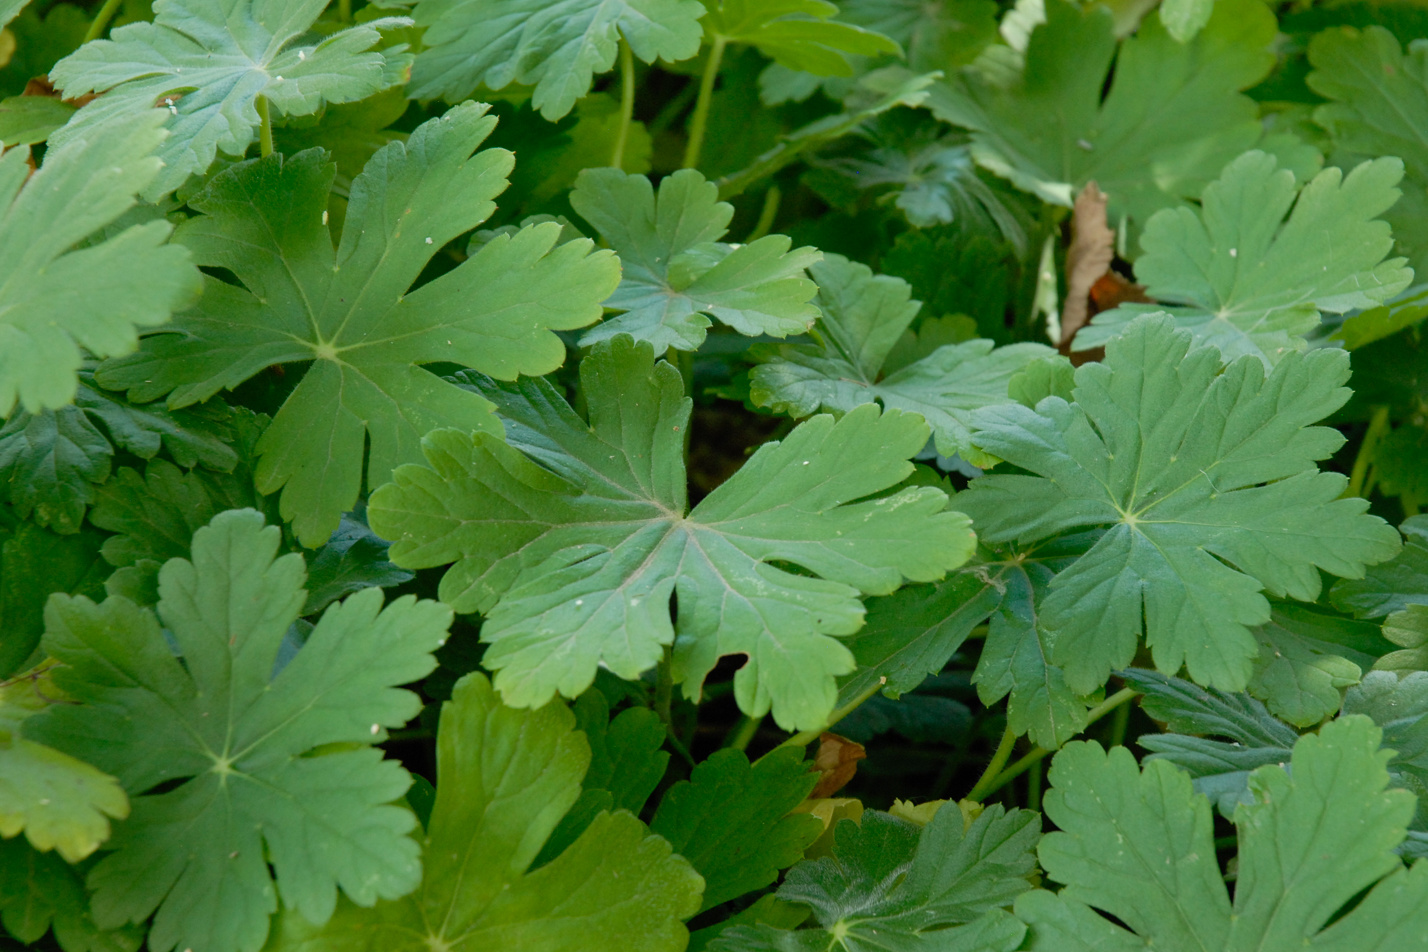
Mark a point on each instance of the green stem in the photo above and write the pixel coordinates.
(766, 215)
(700, 120)
(664, 701)
(627, 104)
(1368, 448)
(344, 10)
(1119, 721)
(744, 733)
(1033, 787)
(265, 130)
(1027, 760)
(101, 20)
(804, 738)
(999, 760)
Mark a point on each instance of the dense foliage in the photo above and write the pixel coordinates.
(459, 457)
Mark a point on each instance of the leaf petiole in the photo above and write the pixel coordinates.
(804, 738)
(627, 104)
(101, 20)
(265, 130)
(700, 120)
(1025, 762)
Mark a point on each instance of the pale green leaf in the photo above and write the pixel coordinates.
(353, 312)
(1306, 660)
(678, 274)
(1185, 18)
(1207, 485)
(1255, 267)
(863, 317)
(206, 63)
(504, 778)
(798, 34)
(26, 120)
(557, 46)
(222, 756)
(573, 537)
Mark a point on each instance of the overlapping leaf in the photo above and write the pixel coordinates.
(573, 537)
(504, 779)
(1391, 586)
(60, 302)
(1207, 484)
(1255, 267)
(33, 563)
(209, 62)
(678, 274)
(557, 46)
(230, 766)
(1140, 846)
(891, 884)
(353, 312)
(1378, 105)
(934, 35)
(798, 34)
(865, 317)
(1174, 114)
(40, 891)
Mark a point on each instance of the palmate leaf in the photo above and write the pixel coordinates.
(1308, 657)
(40, 891)
(51, 462)
(504, 778)
(1255, 267)
(208, 62)
(1207, 484)
(1378, 105)
(557, 46)
(935, 35)
(573, 537)
(865, 317)
(59, 802)
(59, 301)
(891, 884)
(798, 34)
(353, 312)
(1173, 117)
(1140, 846)
(677, 273)
(223, 759)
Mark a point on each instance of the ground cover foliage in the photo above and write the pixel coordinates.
(730, 475)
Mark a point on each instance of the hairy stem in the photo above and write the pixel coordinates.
(101, 20)
(999, 760)
(700, 120)
(265, 130)
(627, 104)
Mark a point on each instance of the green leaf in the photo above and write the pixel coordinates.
(1185, 18)
(893, 885)
(1207, 484)
(864, 317)
(732, 820)
(51, 461)
(39, 891)
(1390, 586)
(1376, 323)
(573, 538)
(1306, 660)
(1140, 846)
(557, 46)
(58, 802)
(220, 754)
(353, 559)
(33, 563)
(1262, 259)
(1378, 105)
(505, 777)
(208, 62)
(798, 34)
(1408, 629)
(59, 301)
(1173, 116)
(26, 120)
(958, 274)
(1400, 706)
(935, 35)
(353, 312)
(678, 274)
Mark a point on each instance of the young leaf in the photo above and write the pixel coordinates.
(557, 46)
(893, 885)
(798, 34)
(221, 756)
(39, 891)
(1140, 846)
(1393, 585)
(505, 777)
(1208, 486)
(732, 820)
(1262, 259)
(353, 312)
(1378, 105)
(50, 462)
(1172, 119)
(208, 63)
(864, 317)
(59, 802)
(573, 537)
(60, 301)
(677, 274)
